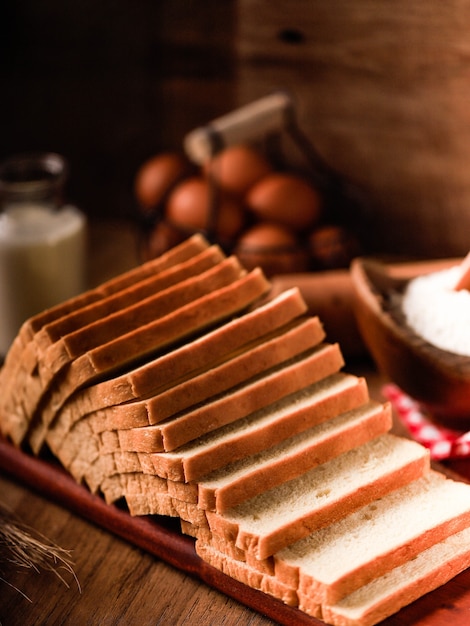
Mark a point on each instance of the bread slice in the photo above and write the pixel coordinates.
(244, 479)
(280, 381)
(146, 341)
(264, 428)
(280, 516)
(386, 595)
(338, 559)
(211, 349)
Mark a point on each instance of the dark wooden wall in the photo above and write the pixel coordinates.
(383, 91)
(110, 83)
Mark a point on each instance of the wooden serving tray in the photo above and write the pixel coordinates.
(158, 537)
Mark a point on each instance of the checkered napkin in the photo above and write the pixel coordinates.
(442, 443)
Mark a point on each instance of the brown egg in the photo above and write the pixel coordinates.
(238, 168)
(333, 246)
(156, 177)
(272, 247)
(190, 203)
(162, 237)
(286, 199)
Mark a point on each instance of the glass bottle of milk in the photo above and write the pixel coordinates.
(42, 241)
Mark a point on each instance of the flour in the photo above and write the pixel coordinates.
(437, 312)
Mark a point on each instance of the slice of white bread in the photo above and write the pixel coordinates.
(280, 516)
(385, 596)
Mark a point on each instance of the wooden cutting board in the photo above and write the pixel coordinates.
(161, 539)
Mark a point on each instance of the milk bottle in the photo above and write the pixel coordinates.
(42, 241)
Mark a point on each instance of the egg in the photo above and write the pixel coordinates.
(237, 168)
(273, 247)
(190, 203)
(161, 238)
(156, 177)
(332, 246)
(286, 199)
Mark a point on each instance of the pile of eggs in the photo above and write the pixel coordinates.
(267, 217)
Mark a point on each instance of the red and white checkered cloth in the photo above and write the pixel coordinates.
(442, 443)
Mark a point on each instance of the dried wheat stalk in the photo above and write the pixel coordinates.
(25, 548)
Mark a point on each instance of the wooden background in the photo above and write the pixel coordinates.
(382, 89)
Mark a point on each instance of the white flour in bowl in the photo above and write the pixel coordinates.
(437, 312)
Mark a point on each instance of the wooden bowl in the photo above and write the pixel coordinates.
(438, 379)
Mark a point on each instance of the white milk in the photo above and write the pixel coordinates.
(42, 262)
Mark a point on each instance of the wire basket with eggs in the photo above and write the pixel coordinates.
(237, 184)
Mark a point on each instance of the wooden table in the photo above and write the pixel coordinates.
(116, 582)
